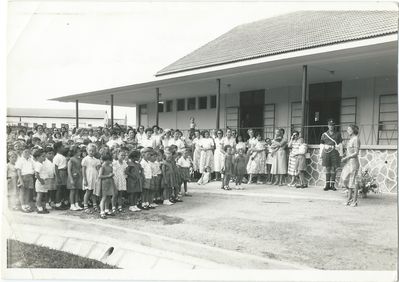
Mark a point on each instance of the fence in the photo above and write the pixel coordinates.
(369, 134)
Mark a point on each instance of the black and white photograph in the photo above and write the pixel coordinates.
(200, 141)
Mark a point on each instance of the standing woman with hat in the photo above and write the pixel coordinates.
(330, 143)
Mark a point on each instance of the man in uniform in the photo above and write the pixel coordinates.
(330, 143)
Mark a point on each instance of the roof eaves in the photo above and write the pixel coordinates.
(161, 73)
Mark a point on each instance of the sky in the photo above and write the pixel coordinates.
(58, 48)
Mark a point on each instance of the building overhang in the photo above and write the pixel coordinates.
(351, 60)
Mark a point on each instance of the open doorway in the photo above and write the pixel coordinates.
(324, 103)
(251, 111)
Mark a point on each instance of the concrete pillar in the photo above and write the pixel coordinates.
(218, 105)
(77, 112)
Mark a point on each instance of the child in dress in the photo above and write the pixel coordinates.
(176, 193)
(25, 171)
(60, 164)
(158, 171)
(240, 167)
(240, 144)
(50, 180)
(119, 167)
(135, 178)
(40, 175)
(228, 168)
(184, 164)
(169, 180)
(156, 179)
(300, 164)
(145, 164)
(12, 179)
(74, 184)
(205, 177)
(106, 175)
(269, 161)
(90, 167)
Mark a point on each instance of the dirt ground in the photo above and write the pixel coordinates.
(305, 226)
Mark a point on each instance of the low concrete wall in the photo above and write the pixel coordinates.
(381, 161)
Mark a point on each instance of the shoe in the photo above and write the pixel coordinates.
(154, 205)
(298, 186)
(110, 213)
(348, 203)
(103, 216)
(304, 186)
(46, 210)
(48, 207)
(58, 208)
(188, 195)
(73, 208)
(134, 209)
(333, 188)
(327, 187)
(79, 208)
(173, 201)
(259, 182)
(179, 200)
(26, 210)
(41, 211)
(120, 209)
(167, 203)
(354, 204)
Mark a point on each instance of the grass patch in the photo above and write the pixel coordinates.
(22, 255)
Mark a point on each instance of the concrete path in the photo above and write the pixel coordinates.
(132, 249)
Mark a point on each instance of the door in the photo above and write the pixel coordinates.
(251, 111)
(324, 103)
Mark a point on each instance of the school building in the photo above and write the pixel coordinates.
(292, 71)
(50, 118)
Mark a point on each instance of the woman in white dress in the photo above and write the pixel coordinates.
(219, 155)
(229, 139)
(206, 158)
(196, 147)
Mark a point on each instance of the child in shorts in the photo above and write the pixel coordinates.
(50, 178)
(40, 187)
(25, 171)
(12, 180)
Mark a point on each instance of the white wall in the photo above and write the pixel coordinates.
(366, 90)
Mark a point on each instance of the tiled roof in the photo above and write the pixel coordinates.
(287, 33)
(54, 113)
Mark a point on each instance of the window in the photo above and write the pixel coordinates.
(202, 103)
(181, 104)
(388, 120)
(347, 115)
(143, 116)
(268, 120)
(232, 114)
(53, 125)
(44, 125)
(296, 116)
(191, 104)
(213, 101)
(169, 106)
(160, 107)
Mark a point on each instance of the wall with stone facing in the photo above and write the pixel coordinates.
(382, 163)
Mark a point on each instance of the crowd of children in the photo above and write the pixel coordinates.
(107, 171)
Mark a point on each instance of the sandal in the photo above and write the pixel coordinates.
(87, 210)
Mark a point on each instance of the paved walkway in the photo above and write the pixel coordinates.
(131, 249)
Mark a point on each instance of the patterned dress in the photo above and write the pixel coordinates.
(257, 160)
(292, 159)
(119, 175)
(349, 174)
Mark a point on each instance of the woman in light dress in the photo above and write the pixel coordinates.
(279, 165)
(350, 172)
(196, 147)
(218, 155)
(206, 158)
(257, 160)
